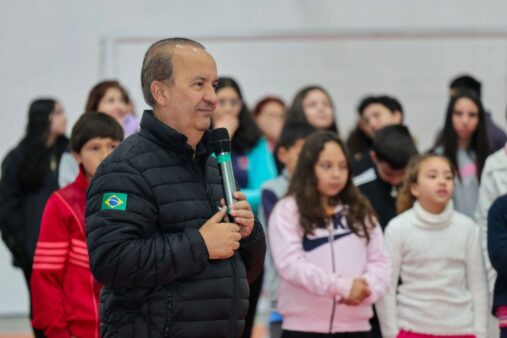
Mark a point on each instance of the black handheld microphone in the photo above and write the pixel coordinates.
(221, 146)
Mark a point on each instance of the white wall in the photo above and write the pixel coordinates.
(55, 48)
(415, 68)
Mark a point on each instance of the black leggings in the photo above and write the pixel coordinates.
(27, 273)
(255, 291)
(296, 334)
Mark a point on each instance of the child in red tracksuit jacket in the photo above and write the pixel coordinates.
(65, 294)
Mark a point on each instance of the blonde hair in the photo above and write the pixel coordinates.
(405, 199)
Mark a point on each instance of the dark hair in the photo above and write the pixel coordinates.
(296, 110)
(92, 125)
(389, 102)
(466, 82)
(99, 90)
(303, 187)
(248, 134)
(293, 130)
(394, 145)
(392, 103)
(405, 198)
(260, 105)
(358, 143)
(158, 66)
(35, 154)
(479, 142)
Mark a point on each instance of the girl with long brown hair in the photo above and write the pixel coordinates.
(436, 253)
(108, 97)
(314, 105)
(327, 247)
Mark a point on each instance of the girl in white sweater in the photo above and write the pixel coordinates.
(438, 286)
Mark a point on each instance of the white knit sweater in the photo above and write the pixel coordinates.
(443, 288)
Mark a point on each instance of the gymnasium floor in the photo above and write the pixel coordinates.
(18, 327)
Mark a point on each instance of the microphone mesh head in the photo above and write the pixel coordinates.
(220, 141)
(219, 134)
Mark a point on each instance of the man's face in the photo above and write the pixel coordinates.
(191, 97)
(377, 116)
(289, 157)
(386, 172)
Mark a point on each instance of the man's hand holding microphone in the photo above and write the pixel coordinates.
(222, 239)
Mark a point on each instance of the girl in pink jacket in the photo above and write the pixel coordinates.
(327, 247)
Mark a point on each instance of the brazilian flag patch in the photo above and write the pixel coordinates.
(114, 201)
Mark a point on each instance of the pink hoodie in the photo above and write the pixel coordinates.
(315, 275)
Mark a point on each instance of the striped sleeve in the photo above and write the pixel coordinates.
(78, 254)
(51, 255)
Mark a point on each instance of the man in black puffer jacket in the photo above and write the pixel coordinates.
(171, 267)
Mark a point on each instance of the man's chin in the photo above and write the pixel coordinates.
(203, 125)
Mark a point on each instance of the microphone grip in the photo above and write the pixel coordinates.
(228, 185)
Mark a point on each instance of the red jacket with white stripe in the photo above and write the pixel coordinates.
(65, 295)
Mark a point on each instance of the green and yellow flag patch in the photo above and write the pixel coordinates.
(114, 201)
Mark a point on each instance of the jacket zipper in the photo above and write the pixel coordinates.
(232, 321)
(334, 271)
(202, 177)
(233, 303)
(232, 326)
(169, 310)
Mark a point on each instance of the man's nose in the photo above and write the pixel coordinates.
(211, 97)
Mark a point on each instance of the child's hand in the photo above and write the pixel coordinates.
(359, 292)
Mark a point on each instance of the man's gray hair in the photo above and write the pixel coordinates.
(158, 66)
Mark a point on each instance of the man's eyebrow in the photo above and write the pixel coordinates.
(199, 77)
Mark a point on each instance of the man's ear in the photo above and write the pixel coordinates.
(398, 117)
(158, 91)
(77, 157)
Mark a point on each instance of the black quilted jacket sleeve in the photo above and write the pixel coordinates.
(126, 247)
